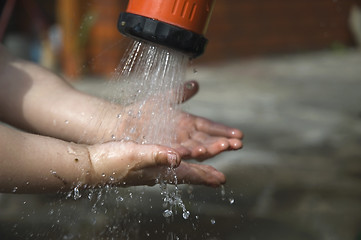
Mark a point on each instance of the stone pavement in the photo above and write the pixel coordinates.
(298, 176)
(299, 173)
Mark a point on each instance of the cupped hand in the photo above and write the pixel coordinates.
(196, 137)
(131, 164)
(200, 138)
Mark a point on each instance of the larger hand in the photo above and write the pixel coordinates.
(200, 138)
(196, 137)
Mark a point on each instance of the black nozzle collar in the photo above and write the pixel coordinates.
(143, 28)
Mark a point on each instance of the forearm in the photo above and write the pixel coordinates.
(36, 100)
(32, 163)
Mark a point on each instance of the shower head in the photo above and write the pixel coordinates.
(177, 24)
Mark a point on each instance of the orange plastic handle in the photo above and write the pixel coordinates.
(192, 15)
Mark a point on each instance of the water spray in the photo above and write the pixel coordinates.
(175, 30)
(177, 24)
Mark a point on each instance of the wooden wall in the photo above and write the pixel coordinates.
(238, 29)
(242, 28)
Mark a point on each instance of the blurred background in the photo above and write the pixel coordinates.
(286, 72)
(80, 38)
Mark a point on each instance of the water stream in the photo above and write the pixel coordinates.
(149, 82)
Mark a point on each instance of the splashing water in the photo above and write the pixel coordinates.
(149, 83)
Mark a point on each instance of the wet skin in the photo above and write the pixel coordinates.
(50, 116)
(197, 138)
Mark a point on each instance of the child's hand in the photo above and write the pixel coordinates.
(131, 164)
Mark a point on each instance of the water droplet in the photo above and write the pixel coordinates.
(167, 213)
(213, 221)
(186, 214)
(104, 175)
(66, 121)
(77, 194)
(119, 115)
(119, 199)
(132, 130)
(71, 151)
(223, 192)
(113, 137)
(15, 189)
(231, 200)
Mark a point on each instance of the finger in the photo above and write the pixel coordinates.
(139, 156)
(185, 92)
(149, 176)
(190, 89)
(202, 151)
(188, 173)
(183, 152)
(199, 174)
(219, 143)
(146, 156)
(213, 145)
(217, 129)
(235, 144)
(197, 150)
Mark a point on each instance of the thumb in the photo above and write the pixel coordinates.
(190, 89)
(146, 156)
(120, 157)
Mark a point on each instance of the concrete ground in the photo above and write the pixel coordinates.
(298, 176)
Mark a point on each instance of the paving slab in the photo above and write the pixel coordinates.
(297, 177)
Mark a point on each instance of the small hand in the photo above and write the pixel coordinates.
(131, 164)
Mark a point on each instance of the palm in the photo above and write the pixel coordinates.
(200, 138)
(196, 137)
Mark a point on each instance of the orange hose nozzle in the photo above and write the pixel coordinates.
(177, 24)
(192, 15)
